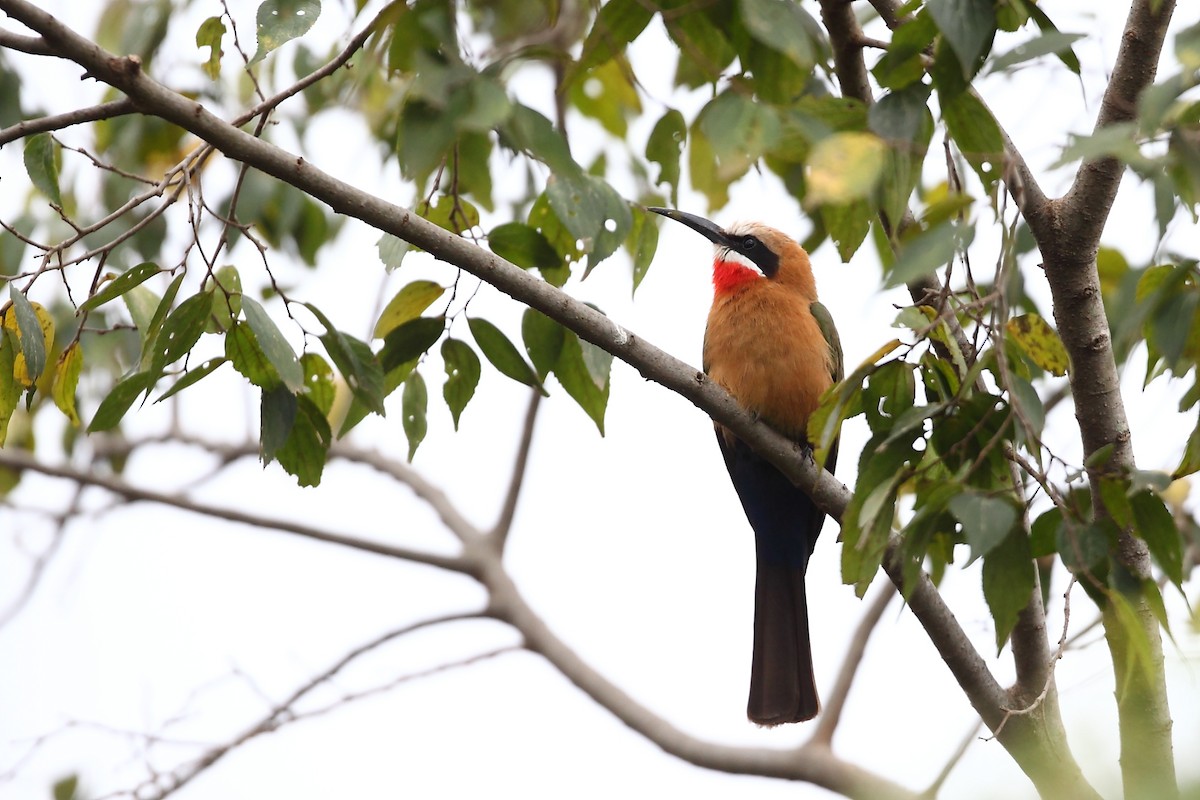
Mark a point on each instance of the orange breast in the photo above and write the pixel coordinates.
(764, 346)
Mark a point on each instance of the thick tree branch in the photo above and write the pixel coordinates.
(1068, 234)
(846, 37)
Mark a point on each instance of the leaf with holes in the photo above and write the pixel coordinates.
(181, 330)
(413, 405)
(280, 21)
(664, 147)
(524, 246)
(209, 35)
(118, 286)
(462, 376)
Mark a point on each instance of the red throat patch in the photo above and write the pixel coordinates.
(729, 276)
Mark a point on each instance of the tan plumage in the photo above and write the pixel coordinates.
(772, 345)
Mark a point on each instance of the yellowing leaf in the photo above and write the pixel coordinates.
(408, 304)
(844, 167)
(1040, 342)
(20, 368)
(66, 378)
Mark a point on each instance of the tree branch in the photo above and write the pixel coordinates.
(835, 702)
(56, 122)
(500, 531)
(164, 785)
(812, 763)
(22, 461)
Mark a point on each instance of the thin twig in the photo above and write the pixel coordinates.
(499, 532)
(835, 703)
(29, 127)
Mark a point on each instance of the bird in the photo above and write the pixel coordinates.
(773, 346)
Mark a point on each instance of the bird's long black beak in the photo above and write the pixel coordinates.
(709, 230)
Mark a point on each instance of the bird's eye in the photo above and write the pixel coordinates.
(749, 243)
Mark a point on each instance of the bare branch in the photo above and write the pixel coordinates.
(29, 127)
(959, 752)
(34, 45)
(847, 37)
(22, 461)
(499, 532)
(167, 784)
(813, 763)
(835, 702)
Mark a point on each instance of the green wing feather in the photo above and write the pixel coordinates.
(829, 331)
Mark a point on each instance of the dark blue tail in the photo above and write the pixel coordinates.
(786, 524)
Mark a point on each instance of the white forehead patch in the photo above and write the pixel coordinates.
(722, 253)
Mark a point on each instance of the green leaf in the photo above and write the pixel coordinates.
(533, 134)
(1157, 528)
(848, 225)
(226, 287)
(586, 383)
(181, 330)
(976, 133)
(42, 155)
(890, 392)
(33, 339)
(1040, 342)
(356, 362)
(454, 214)
(1085, 548)
(1045, 25)
(968, 25)
(592, 211)
(462, 376)
(410, 340)
(280, 21)
(618, 23)
(502, 353)
(1051, 43)
(113, 407)
(209, 35)
(121, 284)
(304, 453)
(1044, 533)
(318, 381)
(523, 246)
(274, 346)
(543, 338)
(929, 251)
(642, 243)
(780, 25)
(243, 351)
(277, 416)
(66, 379)
(149, 318)
(986, 521)
(739, 131)
(409, 303)
(902, 64)
(414, 403)
(1008, 581)
(663, 148)
(193, 376)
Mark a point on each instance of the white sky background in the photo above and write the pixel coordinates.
(633, 547)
